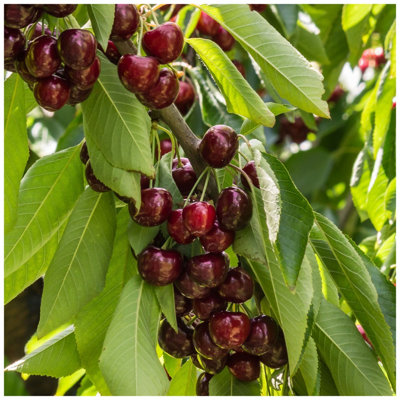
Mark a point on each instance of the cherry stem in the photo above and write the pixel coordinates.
(216, 179)
(139, 40)
(182, 64)
(249, 181)
(285, 382)
(190, 322)
(155, 8)
(173, 143)
(195, 185)
(205, 185)
(240, 153)
(166, 243)
(245, 309)
(153, 14)
(245, 139)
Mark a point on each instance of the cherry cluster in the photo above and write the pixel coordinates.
(297, 130)
(373, 58)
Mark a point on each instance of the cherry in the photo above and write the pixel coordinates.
(244, 367)
(144, 181)
(363, 64)
(78, 95)
(229, 330)
(185, 98)
(207, 25)
(20, 15)
(14, 43)
(219, 145)
(138, 74)
(203, 308)
(251, 171)
(77, 48)
(59, 10)
(212, 366)
(363, 334)
(224, 39)
(163, 93)
(126, 21)
(379, 55)
(51, 93)
(84, 78)
(159, 267)
(112, 52)
(234, 209)
(184, 176)
(297, 130)
(190, 288)
(277, 356)
(165, 147)
(155, 207)
(258, 7)
(176, 344)
(337, 93)
(240, 67)
(203, 383)
(183, 305)
(93, 182)
(84, 154)
(204, 345)
(263, 334)
(209, 269)
(33, 31)
(199, 217)
(23, 71)
(216, 239)
(237, 287)
(177, 229)
(164, 42)
(195, 360)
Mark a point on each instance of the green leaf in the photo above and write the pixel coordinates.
(67, 382)
(309, 369)
(171, 364)
(102, 19)
(57, 357)
(240, 98)
(288, 14)
(44, 206)
(129, 360)
(390, 199)
(141, 236)
(351, 362)
(327, 385)
(289, 72)
(16, 151)
(166, 300)
(225, 384)
(77, 271)
(184, 381)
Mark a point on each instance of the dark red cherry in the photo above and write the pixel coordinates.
(199, 217)
(159, 267)
(203, 308)
(84, 154)
(240, 67)
(263, 334)
(379, 55)
(185, 98)
(258, 7)
(33, 31)
(177, 229)
(14, 43)
(59, 10)
(190, 288)
(126, 21)
(176, 344)
(20, 15)
(93, 182)
(77, 48)
(234, 209)
(237, 287)
(204, 345)
(85, 78)
(155, 207)
(42, 58)
(207, 25)
(163, 93)
(209, 269)
(144, 181)
(336, 94)
(112, 52)
(216, 239)
(203, 383)
(212, 366)
(277, 356)
(51, 93)
(184, 176)
(244, 367)
(77, 95)
(183, 305)
(138, 74)
(165, 147)
(250, 170)
(224, 39)
(229, 330)
(23, 70)
(219, 145)
(164, 42)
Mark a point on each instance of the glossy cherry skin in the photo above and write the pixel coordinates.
(84, 154)
(234, 209)
(219, 145)
(165, 147)
(183, 305)
(85, 78)
(190, 288)
(277, 356)
(237, 287)
(258, 7)
(112, 52)
(229, 330)
(243, 366)
(164, 42)
(177, 229)
(207, 25)
(240, 67)
(204, 345)
(93, 182)
(138, 74)
(263, 334)
(185, 98)
(33, 31)
(155, 207)
(77, 95)
(363, 64)
(77, 48)
(126, 21)
(159, 267)
(224, 39)
(51, 93)
(14, 43)
(184, 176)
(23, 70)
(199, 217)
(212, 366)
(176, 344)
(216, 239)
(42, 58)
(20, 15)
(59, 10)
(202, 384)
(209, 269)
(203, 308)
(250, 170)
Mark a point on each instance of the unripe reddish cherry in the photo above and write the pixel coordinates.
(212, 366)
(224, 39)
(183, 305)
(14, 43)
(251, 172)
(202, 384)
(363, 64)
(199, 217)
(204, 345)
(277, 356)
(216, 239)
(59, 10)
(363, 334)
(219, 145)
(209, 269)
(207, 25)
(93, 182)
(84, 78)
(185, 98)
(126, 21)
(189, 288)
(20, 15)
(184, 176)
(51, 93)
(203, 308)
(177, 229)
(243, 366)
(237, 287)
(84, 153)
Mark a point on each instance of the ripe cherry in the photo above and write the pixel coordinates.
(258, 7)
(155, 207)
(204, 345)
(138, 74)
(209, 269)
(212, 366)
(237, 287)
(250, 170)
(244, 367)
(229, 330)
(199, 217)
(203, 308)
(33, 31)
(78, 95)
(336, 94)
(176, 344)
(14, 43)
(126, 21)
(84, 78)
(240, 67)
(84, 154)
(165, 147)
(59, 10)
(219, 145)
(183, 305)
(185, 98)
(224, 39)
(77, 48)
(203, 383)
(177, 229)
(234, 209)
(184, 176)
(363, 64)
(164, 42)
(297, 130)
(216, 239)
(207, 25)
(112, 52)
(379, 55)
(277, 356)
(23, 70)
(51, 93)
(20, 15)
(144, 181)
(93, 182)
(190, 288)
(159, 267)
